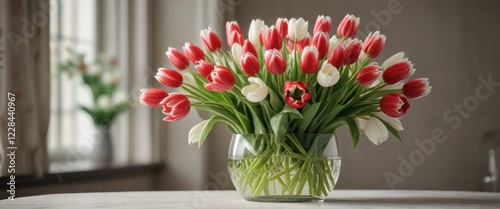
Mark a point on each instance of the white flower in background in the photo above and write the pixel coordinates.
(110, 78)
(237, 51)
(104, 102)
(328, 75)
(374, 129)
(256, 91)
(120, 97)
(297, 29)
(94, 70)
(394, 122)
(254, 31)
(195, 132)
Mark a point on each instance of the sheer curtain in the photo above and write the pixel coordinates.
(25, 73)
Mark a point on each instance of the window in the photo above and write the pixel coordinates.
(73, 26)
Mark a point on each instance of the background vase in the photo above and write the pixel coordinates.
(102, 151)
(291, 167)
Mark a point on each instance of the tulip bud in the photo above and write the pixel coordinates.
(282, 27)
(333, 42)
(248, 47)
(309, 61)
(297, 29)
(328, 75)
(178, 59)
(394, 105)
(374, 130)
(373, 44)
(250, 64)
(256, 91)
(323, 24)
(296, 94)
(220, 79)
(233, 33)
(272, 39)
(348, 27)
(352, 51)
(193, 52)
(275, 62)
(169, 77)
(320, 40)
(211, 40)
(254, 32)
(417, 88)
(204, 67)
(152, 97)
(236, 51)
(176, 106)
(337, 57)
(368, 76)
(397, 72)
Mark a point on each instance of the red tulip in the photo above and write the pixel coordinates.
(337, 57)
(352, 51)
(373, 44)
(323, 24)
(152, 97)
(178, 59)
(220, 79)
(368, 75)
(204, 67)
(193, 52)
(397, 72)
(320, 40)
(176, 106)
(394, 105)
(296, 94)
(248, 47)
(417, 88)
(271, 39)
(250, 64)
(233, 33)
(275, 62)
(169, 77)
(211, 40)
(282, 27)
(309, 61)
(348, 27)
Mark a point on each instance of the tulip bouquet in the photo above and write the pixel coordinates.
(102, 79)
(281, 80)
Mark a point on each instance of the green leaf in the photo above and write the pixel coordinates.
(353, 129)
(309, 113)
(275, 101)
(281, 121)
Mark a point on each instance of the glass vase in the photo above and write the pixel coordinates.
(284, 168)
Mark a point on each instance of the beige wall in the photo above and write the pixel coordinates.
(451, 42)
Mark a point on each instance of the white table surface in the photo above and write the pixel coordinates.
(338, 199)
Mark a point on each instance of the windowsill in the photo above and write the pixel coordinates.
(85, 171)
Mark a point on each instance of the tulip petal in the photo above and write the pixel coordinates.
(376, 131)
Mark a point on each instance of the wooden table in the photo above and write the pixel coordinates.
(338, 199)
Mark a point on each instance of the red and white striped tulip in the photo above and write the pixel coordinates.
(271, 39)
(193, 52)
(337, 56)
(323, 24)
(373, 45)
(296, 94)
(328, 75)
(275, 62)
(398, 71)
(297, 29)
(394, 105)
(369, 75)
(204, 68)
(234, 33)
(169, 78)
(348, 27)
(250, 64)
(176, 106)
(177, 58)
(220, 79)
(352, 51)
(254, 32)
(320, 40)
(282, 27)
(211, 40)
(248, 47)
(309, 60)
(299, 46)
(152, 97)
(417, 88)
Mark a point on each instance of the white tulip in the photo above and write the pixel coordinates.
(237, 51)
(297, 29)
(375, 130)
(254, 31)
(394, 122)
(194, 135)
(328, 75)
(256, 91)
(104, 102)
(332, 43)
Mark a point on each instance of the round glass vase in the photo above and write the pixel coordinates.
(284, 168)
